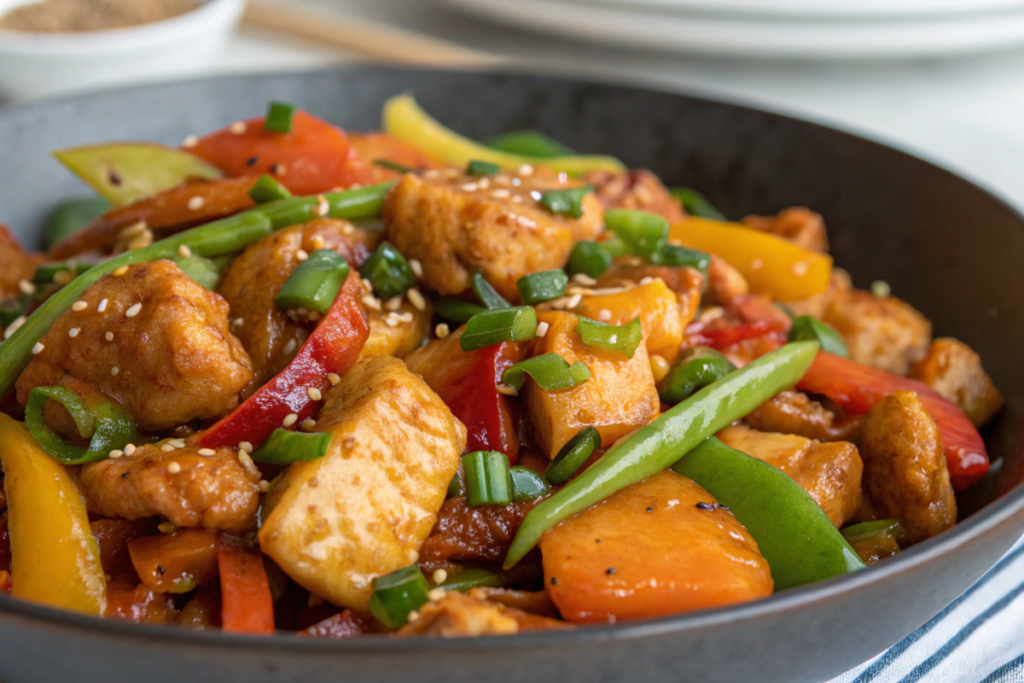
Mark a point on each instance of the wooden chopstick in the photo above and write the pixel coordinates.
(363, 37)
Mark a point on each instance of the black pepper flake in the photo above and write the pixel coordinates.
(710, 506)
(610, 570)
(114, 178)
(277, 169)
(251, 161)
(554, 580)
(124, 476)
(160, 569)
(650, 509)
(597, 540)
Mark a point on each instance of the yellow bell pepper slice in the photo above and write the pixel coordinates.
(770, 264)
(404, 119)
(55, 558)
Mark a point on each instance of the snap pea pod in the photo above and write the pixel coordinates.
(212, 239)
(665, 440)
(797, 539)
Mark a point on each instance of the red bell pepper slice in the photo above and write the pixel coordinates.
(698, 334)
(858, 388)
(247, 605)
(313, 157)
(333, 347)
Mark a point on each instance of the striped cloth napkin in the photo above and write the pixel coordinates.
(977, 639)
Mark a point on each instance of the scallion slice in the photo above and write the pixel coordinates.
(589, 258)
(487, 478)
(266, 189)
(476, 167)
(550, 371)
(486, 328)
(675, 256)
(397, 594)
(46, 273)
(279, 117)
(529, 143)
(203, 270)
(809, 328)
(475, 577)
(456, 310)
(315, 283)
(393, 166)
(527, 484)
(695, 204)
(105, 424)
(859, 532)
(285, 447)
(621, 338)
(572, 456)
(567, 202)
(388, 272)
(487, 294)
(543, 286)
(644, 233)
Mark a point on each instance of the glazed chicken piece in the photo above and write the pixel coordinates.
(794, 412)
(153, 340)
(15, 264)
(638, 189)
(456, 224)
(817, 305)
(269, 335)
(397, 332)
(830, 472)
(954, 370)
(905, 472)
(190, 487)
(882, 332)
(364, 509)
(456, 615)
(724, 282)
(619, 396)
(799, 225)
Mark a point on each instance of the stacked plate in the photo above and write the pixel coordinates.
(815, 29)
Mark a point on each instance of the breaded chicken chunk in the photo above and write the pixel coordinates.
(794, 412)
(190, 487)
(152, 339)
(799, 225)
(456, 224)
(954, 370)
(882, 332)
(638, 189)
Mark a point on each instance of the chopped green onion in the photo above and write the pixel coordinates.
(475, 577)
(529, 143)
(550, 371)
(456, 310)
(203, 270)
(621, 338)
(695, 369)
(46, 273)
(487, 328)
(107, 426)
(859, 532)
(809, 328)
(487, 294)
(12, 309)
(590, 259)
(572, 456)
(487, 479)
(388, 272)
(615, 246)
(482, 168)
(279, 117)
(695, 204)
(266, 189)
(285, 447)
(567, 202)
(526, 484)
(675, 256)
(456, 487)
(544, 286)
(315, 283)
(72, 216)
(393, 166)
(397, 594)
(644, 233)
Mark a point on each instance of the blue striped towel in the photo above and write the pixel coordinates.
(977, 639)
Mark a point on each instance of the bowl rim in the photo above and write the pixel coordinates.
(985, 519)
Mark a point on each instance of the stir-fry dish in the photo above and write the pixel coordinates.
(288, 378)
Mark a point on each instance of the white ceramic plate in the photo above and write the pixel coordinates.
(821, 9)
(695, 33)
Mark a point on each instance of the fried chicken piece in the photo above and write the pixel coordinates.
(798, 225)
(794, 412)
(15, 264)
(954, 370)
(882, 332)
(637, 189)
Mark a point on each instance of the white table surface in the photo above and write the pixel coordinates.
(965, 113)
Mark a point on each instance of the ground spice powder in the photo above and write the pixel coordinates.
(53, 16)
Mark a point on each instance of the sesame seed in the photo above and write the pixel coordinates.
(115, 454)
(646, 280)
(207, 452)
(542, 329)
(120, 271)
(38, 348)
(318, 242)
(196, 203)
(173, 467)
(109, 336)
(264, 485)
(103, 306)
(313, 316)
(142, 241)
(14, 326)
(416, 266)
(436, 594)
(238, 128)
(130, 449)
(290, 347)
(392, 320)
(115, 370)
(535, 195)
(394, 303)
(308, 424)
(604, 315)
(136, 228)
(439, 576)
(333, 378)
(584, 279)
(184, 251)
(133, 311)
(348, 229)
(659, 367)
(525, 169)
(574, 301)
(501, 193)
(238, 322)
(518, 199)
(301, 254)
(280, 169)
(245, 446)
(246, 460)
(79, 306)
(177, 443)
(416, 299)
(26, 287)
(442, 330)
(314, 394)
(166, 528)
(484, 183)
(413, 616)
(190, 141)
(167, 448)
(322, 206)
(613, 339)
(73, 332)
(406, 317)
(470, 187)
(291, 419)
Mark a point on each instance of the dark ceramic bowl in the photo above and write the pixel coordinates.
(949, 248)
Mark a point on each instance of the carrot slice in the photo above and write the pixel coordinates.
(247, 605)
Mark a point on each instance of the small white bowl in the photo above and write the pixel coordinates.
(34, 64)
